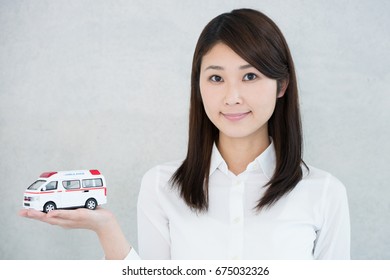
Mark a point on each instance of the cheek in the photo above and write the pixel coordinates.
(265, 107)
(263, 103)
(208, 107)
(209, 99)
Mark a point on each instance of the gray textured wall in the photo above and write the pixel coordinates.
(105, 84)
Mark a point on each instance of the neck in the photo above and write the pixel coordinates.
(239, 152)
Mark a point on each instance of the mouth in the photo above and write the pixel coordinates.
(235, 116)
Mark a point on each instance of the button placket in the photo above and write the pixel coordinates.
(236, 234)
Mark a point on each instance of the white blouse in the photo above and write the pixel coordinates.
(311, 222)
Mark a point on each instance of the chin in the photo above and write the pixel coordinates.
(236, 134)
(244, 133)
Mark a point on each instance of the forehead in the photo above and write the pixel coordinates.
(221, 55)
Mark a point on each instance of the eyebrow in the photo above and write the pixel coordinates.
(246, 66)
(216, 67)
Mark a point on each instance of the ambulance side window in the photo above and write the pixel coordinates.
(51, 186)
(71, 184)
(92, 183)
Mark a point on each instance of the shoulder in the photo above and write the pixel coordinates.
(161, 174)
(156, 187)
(323, 183)
(321, 177)
(162, 170)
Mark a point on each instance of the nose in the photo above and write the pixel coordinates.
(232, 95)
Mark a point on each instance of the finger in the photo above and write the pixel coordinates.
(62, 218)
(32, 214)
(67, 214)
(59, 222)
(79, 218)
(58, 214)
(22, 213)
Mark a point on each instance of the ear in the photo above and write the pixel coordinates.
(282, 86)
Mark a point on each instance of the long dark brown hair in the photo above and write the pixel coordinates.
(257, 39)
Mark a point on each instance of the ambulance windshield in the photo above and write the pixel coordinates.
(36, 185)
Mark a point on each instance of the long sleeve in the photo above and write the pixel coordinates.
(333, 239)
(132, 255)
(153, 226)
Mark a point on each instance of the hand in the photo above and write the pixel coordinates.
(79, 218)
(100, 220)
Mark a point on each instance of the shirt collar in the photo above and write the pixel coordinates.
(266, 161)
(217, 161)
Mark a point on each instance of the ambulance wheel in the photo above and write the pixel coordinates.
(91, 204)
(49, 206)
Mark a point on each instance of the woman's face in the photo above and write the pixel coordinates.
(238, 99)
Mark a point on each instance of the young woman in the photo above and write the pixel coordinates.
(243, 190)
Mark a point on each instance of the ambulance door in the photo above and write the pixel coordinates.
(72, 196)
(50, 193)
(95, 189)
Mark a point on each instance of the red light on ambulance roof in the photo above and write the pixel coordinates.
(47, 174)
(94, 172)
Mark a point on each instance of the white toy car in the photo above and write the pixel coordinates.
(66, 189)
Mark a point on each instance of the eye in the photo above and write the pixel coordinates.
(216, 79)
(250, 77)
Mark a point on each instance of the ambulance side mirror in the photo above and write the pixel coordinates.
(43, 189)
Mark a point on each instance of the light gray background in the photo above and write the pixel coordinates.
(105, 84)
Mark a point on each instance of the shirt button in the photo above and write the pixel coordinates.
(237, 183)
(237, 220)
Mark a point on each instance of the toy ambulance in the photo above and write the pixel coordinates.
(66, 189)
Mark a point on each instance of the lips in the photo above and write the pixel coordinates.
(235, 116)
